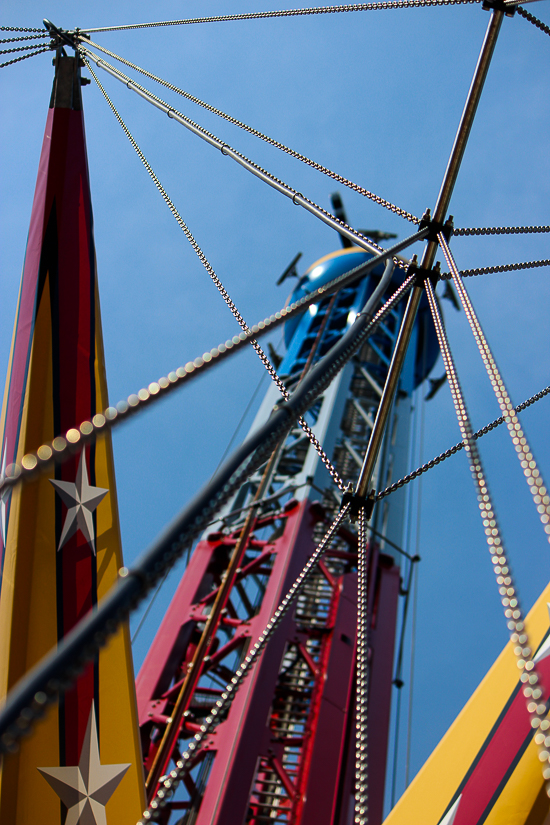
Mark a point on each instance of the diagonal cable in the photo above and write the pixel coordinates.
(21, 49)
(507, 590)
(19, 39)
(296, 197)
(185, 763)
(58, 670)
(490, 270)
(362, 678)
(24, 57)
(297, 155)
(15, 29)
(532, 474)
(223, 292)
(63, 446)
(532, 19)
(263, 15)
(501, 230)
(457, 447)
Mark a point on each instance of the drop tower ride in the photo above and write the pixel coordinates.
(284, 752)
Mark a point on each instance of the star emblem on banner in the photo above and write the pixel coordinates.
(86, 788)
(81, 500)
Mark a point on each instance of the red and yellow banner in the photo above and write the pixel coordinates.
(59, 534)
(486, 769)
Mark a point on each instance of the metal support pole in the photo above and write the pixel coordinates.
(428, 257)
(389, 391)
(463, 132)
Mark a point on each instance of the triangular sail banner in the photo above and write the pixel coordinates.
(59, 535)
(486, 770)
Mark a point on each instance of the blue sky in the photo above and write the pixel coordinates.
(377, 97)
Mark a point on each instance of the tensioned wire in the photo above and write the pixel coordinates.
(296, 197)
(58, 670)
(42, 32)
(317, 166)
(19, 39)
(63, 446)
(262, 15)
(22, 48)
(24, 57)
(532, 474)
(225, 295)
(500, 230)
(509, 598)
(457, 447)
(532, 19)
(184, 764)
(490, 270)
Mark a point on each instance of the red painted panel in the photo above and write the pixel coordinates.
(328, 756)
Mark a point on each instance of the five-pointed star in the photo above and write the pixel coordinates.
(81, 501)
(86, 788)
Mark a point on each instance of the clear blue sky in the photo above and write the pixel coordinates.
(377, 97)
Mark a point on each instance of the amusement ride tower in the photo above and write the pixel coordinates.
(284, 751)
(265, 696)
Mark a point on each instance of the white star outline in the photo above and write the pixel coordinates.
(86, 788)
(81, 500)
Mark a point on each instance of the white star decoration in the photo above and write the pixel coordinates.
(85, 789)
(81, 501)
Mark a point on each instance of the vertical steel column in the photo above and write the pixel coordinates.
(442, 204)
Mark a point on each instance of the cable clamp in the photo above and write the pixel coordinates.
(497, 5)
(358, 503)
(446, 229)
(60, 37)
(422, 275)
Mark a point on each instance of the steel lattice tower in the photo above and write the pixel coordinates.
(284, 751)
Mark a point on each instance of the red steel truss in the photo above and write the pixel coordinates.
(284, 752)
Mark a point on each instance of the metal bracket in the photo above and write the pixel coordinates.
(446, 229)
(421, 274)
(60, 37)
(358, 503)
(499, 5)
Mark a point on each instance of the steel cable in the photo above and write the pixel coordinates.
(185, 763)
(297, 155)
(501, 230)
(507, 590)
(362, 678)
(20, 49)
(262, 15)
(532, 474)
(58, 670)
(223, 292)
(532, 19)
(63, 446)
(296, 197)
(14, 29)
(18, 39)
(457, 447)
(489, 270)
(24, 57)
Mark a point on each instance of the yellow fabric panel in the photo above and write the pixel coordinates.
(430, 793)
(28, 612)
(28, 598)
(118, 724)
